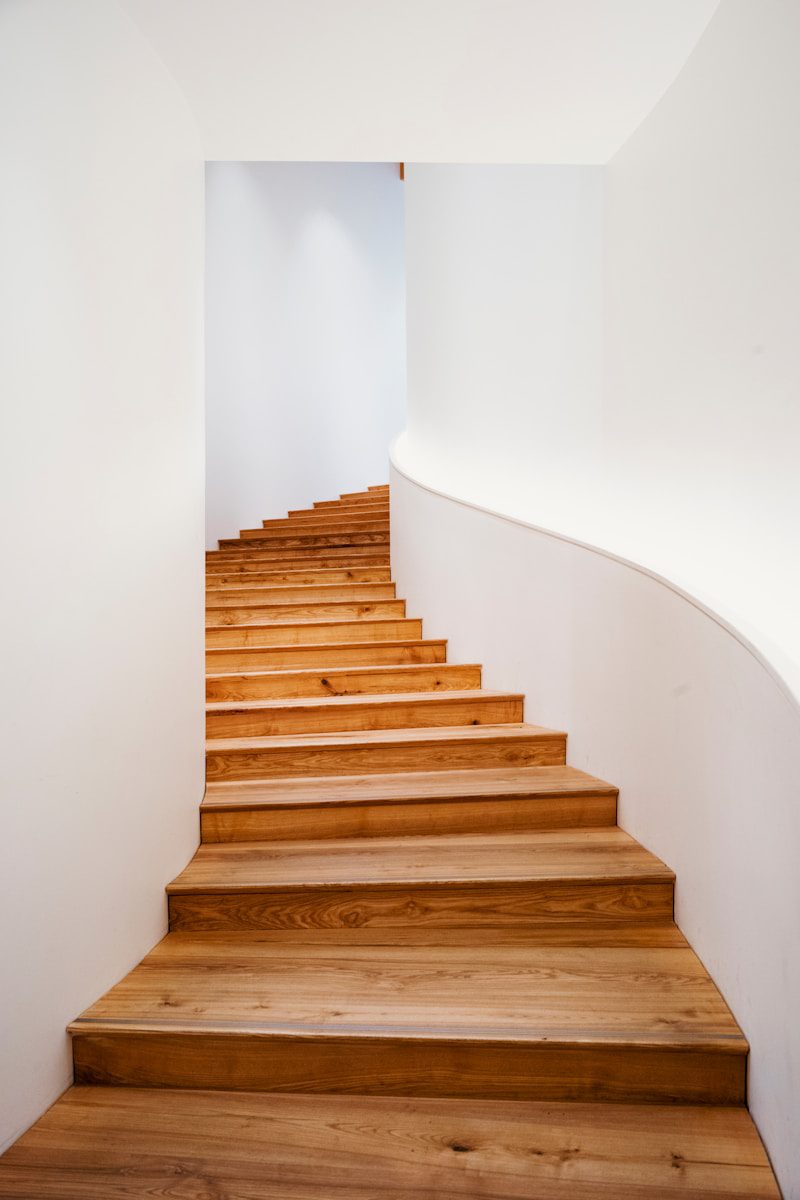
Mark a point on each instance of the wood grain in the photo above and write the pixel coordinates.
(511, 1020)
(326, 654)
(411, 803)
(330, 556)
(255, 575)
(487, 881)
(343, 681)
(244, 592)
(304, 540)
(328, 714)
(313, 610)
(328, 524)
(287, 633)
(382, 751)
(121, 1143)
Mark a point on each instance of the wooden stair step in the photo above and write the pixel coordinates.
(285, 610)
(329, 714)
(355, 556)
(326, 654)
(384, 750)
(287, 633)
(363, 512)
(250, 550)
(305, 541)
(412, 802)
(138, 1143)
(343, 681)
(386, 1014)
(354, 502)
(326, 525)
(218, 597)
(255, 576)
(483, 881)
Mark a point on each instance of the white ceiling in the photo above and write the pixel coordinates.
(422, 80)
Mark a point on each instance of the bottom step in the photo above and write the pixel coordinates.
(120, 1144)
(581, 1014)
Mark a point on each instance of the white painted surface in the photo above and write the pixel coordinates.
(702, 348)
(552, 81)
(305, 334)
(661, 699)
(102, 532)
(504, 281)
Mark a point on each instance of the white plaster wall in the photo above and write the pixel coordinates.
(504, 316)
(305, 334)
(101, 540)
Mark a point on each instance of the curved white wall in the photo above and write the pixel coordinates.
(101, 541)
(669, 441)
(305, 334)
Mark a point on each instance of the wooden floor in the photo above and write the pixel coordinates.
(414, 956)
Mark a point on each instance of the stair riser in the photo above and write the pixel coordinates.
(236, 596)
(308, 633)
(376, 1066)
(254, 576)
(489, 906)
(337, 505)
(334, 509)
(263, 551)
(315, 611)
(343, 683)
(544, 750)
(299, 525)
(303, 541)
(278, 658)
(413, 715)
(332, 520)
(488, 814)
(297, 560)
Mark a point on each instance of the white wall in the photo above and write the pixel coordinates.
(305, 334)
(504, 278)
(102, 531)
(551, 81)
(702, 352)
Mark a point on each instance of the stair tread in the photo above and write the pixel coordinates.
(355, 621)
(366, 669)
(403, 786)
(581, 854)
(511, 731)
(369, 700)
(517, 990)
(123, 1143)
(356, 590)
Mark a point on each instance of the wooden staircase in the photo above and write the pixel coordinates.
(414, 955)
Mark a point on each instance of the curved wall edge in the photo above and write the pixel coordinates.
(772, 669)
(661, 696)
